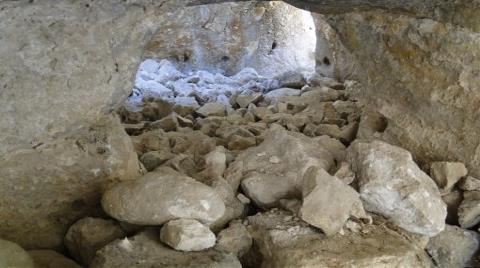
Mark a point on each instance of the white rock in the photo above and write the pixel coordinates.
(453, 247)
(275, 94)
(149, 66)
(187, 235)
(391, 184)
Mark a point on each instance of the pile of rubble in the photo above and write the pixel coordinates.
(287, 177)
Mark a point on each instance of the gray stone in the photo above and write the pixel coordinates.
(328, 202)
(12, 255)
(152, 160)
(88, 235)
(216, 162)
(469, 184)
(447, 174)
(453, 247)
(45, 190)
(212, 109)
(187, 235)
(345, 173)
(235, 239)
(51, 259)
(160, 196)
(144, 250)
(277, 93)
(469, 209)
(285, 241)
(453, 201)
(392, 185)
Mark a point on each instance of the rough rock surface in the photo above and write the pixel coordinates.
(470, 184)
(12, 255)
(453, 247)
(391, 184)
(269, 172)
(46, 189)
(286, 241)
(469, 209)
(328, 202)
(234, 239)
(88, 235)
(51, 259)
(160, 196)
(187, 235)
(420, 70)
(447, 174)
(145, 251)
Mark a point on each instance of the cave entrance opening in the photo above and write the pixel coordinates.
(210, 52)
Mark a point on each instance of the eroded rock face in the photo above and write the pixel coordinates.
(391, 184)
(160, 196)
(421, 74)
(46, 189)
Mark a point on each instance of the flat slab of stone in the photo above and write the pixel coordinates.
(146, 251)
(285, 241)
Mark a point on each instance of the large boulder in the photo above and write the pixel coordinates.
(46, 189)
(270, 172)
(160, 196)
(284, 241)
(145, 251)
(391, 184)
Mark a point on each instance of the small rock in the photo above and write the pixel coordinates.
(453, 201)
(469, 209)
(235, 239)
(370, 124)
(160, 196)
(244, 100)
(327, 201)
(391, 184)
(243, 199)
(187, 235)
(330, 130)
(470, 184)
(292, 205)
(292, 80)
(241, 143)
(447, 174)
(216, 162)
(12, 255)
(88, 235)
(453, 247)
(168, 123)
(154, 159)
(51, 259)
(277, 93)
(345, 173)
(212, 109)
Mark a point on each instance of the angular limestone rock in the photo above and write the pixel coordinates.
(453, 201)
(146, 251)
(187, 235)
(285, 241)
(235, 239)
(212, 109)
(447, 174)
(328, 202)
(470, 184)
(51, 259)
(391, 184)
(270, 172)
(469, 209)
(453, 247)
(160, 196)
(12, 255)
(88, 235)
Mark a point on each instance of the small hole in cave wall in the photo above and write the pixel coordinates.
(225, 58)
(274, 45)
(326, 61)
(186, 57)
